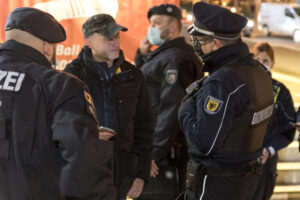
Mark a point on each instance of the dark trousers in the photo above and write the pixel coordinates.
(267, 180)
(163, 187)
(223, 188)
(167, 185)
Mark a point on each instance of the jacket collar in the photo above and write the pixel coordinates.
(86, 59)
(177, 42)
(225, 56)
(26, 52)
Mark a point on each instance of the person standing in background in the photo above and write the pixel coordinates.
(280, 132)
(168, 69)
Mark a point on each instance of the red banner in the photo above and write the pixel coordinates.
(73, 13)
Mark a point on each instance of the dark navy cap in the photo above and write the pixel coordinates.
(165, 9)
(36, 22)
(216, 21)
(103, 24)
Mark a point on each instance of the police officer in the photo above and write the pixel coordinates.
(121, 100)
(227, 114)
(169, 69)
(280, 131)
(49, 134)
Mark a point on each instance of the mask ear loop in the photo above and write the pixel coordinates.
(165, 30)
(197, 45)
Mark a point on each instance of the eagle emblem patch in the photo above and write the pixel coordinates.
(212, 105)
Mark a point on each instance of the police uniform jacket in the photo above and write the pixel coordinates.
(122, 103)
(280, 131)
(168, 70)
(221, 129)
(49, 146)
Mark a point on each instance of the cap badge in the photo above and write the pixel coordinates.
(169, 9)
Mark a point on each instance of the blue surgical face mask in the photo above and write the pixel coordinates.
(154, 36)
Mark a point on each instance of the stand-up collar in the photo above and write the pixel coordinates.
(25, 52)
(225, 55)
(86, 57)
(177, 42)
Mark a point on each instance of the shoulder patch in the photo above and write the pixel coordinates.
(88, 97)
(212, 105)
(171, 76)
(90, 105)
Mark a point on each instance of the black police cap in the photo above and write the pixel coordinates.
(37, 23)
(165, 9)
(216, 21)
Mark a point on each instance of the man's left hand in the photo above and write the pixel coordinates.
(136, 188)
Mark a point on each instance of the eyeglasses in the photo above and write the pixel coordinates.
(202, 41)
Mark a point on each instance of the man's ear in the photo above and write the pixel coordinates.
(217, 44)
(47, 50)
(173, 27)
(87, 42)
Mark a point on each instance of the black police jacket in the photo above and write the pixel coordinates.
(168, 70)
(49, 146)
(280, 131)
(122, 103)
(226, 120)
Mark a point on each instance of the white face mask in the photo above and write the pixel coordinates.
(154, 36)
(267, 67)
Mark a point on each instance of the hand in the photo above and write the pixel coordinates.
(154, 170)
(136, 188)
(105, 135)
(264, 156)
(145, 46)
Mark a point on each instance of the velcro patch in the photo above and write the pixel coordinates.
(171, 76)
(212, 105)
(262, 115)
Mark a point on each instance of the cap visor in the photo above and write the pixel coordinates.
(113, 30)
(192, 31)
(123, 28)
